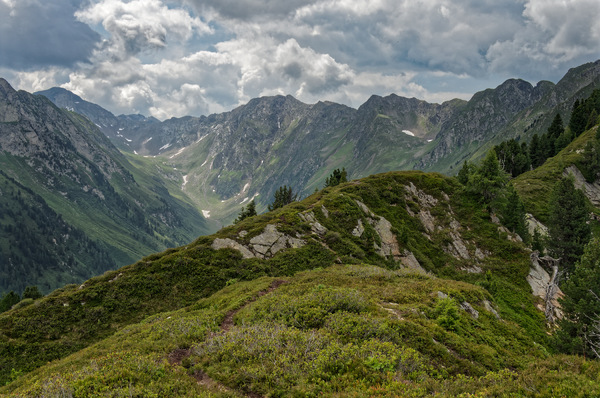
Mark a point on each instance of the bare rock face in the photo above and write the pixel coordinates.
(383, 228)
(425, 200)
(469, 309)
(265, 245)
(315, 226)
(410, 261)
(232, 244)
(592, 191)
(533, 224)
(545, 285)
(458, 248)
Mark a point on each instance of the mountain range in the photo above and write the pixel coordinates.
(400, 283)
(130, 185)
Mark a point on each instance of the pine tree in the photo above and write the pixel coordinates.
(8, 300)
(567, 223)
(513, 215)
(537, 242)
(579, 118)
(535, 152)
(465, 172)
(488, 179)
(283, 196)
(248, 211)
(32, 292)
(555, 130)
(579, 331)
(337, 177)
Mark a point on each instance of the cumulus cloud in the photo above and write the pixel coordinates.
(142, 24)
(557, 34)
(39, 34)
(176, 57)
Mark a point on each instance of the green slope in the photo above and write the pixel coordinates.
(365, 304)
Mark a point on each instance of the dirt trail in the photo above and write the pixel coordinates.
(177, 356)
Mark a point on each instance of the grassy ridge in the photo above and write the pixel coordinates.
(443, 338)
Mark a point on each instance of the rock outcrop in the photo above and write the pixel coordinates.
(265, 245)
(543, 279)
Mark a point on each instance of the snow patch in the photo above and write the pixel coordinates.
(178, 153)
(246, 187)
(206, 213)
(429, 140)
(185, 180)
(127, 139)
(164, 147)
(134, 151)
(408, 132)
(121, 128)
(201, 138)
(147, 141)
(204, 162)
(245, 200)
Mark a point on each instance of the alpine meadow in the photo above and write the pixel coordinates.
(286, 242)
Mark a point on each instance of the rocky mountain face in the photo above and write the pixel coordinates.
(226, 159)
(70, 167)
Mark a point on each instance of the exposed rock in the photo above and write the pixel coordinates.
(488, 307)
(533, 224)
(325, 211)
(272, 241)
(365, 209)
(495, 219)
(359, 229)
(592, 191)
(479, 254)
(469, 309)
(427, 220)
(389, 244)
(473, 269)
(442, 295)
(410, 261)
(458, 248)
(383, 228)
(545, 286)
(315, 226)
(425, 200)
(265, 245)
(455, 225)
(510, 235)
(227, 243)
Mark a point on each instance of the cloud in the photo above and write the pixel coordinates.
(177, 57)
(557, 34)
(142, 24)
(250, 9)
(39, 34)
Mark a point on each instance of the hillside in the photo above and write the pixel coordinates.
(395, 284)
(75, 204)
(535, 186)
(224, 160)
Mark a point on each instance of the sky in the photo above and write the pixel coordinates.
(171, 58)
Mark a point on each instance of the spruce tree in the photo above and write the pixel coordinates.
(579, 118)
(8, 300)
(248, 211)
(567, 223)
(578, 332)
(513, 214)
(283, 196)
(554, 131)
(488, 179)
(337, 177)
(32, 292)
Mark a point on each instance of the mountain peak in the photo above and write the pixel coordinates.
(5, 88)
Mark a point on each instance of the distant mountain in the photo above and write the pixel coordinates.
(224, 160)
(58, 163)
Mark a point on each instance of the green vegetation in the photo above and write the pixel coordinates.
(283, 196)
(579, 331)
(337, 177)
(348, 321)
(248, 211)
(568, 229)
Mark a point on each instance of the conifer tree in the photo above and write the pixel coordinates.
(567, 223)
(579, 331)
(283, 196)
(465, 172)
(8, 300)
(32, 292)
(513, 214)
(488, 179)
(337, 177)
(579, 118)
